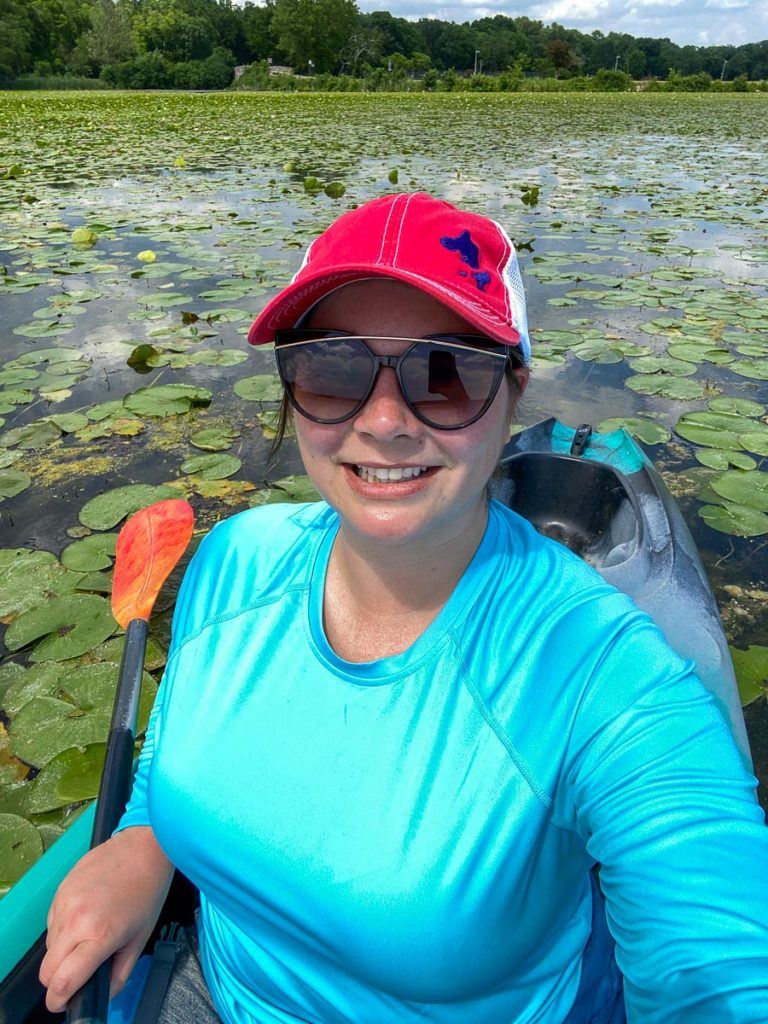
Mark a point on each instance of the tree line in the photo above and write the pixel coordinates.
(197, 44)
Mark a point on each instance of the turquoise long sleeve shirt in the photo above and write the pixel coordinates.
(410, 839)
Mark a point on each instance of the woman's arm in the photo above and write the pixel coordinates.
(659, 792)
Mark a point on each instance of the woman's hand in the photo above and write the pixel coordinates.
(108, 904)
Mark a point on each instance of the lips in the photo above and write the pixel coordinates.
(392, 481)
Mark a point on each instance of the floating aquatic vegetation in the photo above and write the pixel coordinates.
(647, 299)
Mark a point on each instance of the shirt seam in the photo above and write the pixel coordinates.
(495, 726)
(227, 616)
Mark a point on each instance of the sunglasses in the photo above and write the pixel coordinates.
(447, 380)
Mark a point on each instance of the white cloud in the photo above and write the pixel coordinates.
(706, 23)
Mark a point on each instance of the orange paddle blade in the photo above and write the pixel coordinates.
(148, 547)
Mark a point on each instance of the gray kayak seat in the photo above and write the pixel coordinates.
(609, 505)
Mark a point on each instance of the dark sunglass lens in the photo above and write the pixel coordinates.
(450, 386)
(327, 380)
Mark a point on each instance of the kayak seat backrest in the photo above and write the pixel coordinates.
(581, 503)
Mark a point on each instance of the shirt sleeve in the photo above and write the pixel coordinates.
(657, 788)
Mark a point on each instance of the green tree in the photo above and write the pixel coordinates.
(257, 27)
(166, 26)
(17, 30)
(316, 30)
(635, 62)
(108, 41)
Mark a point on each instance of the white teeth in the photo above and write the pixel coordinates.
(378, 474)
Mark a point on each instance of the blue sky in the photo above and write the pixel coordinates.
(700, 22)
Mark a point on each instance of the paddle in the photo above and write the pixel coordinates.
(148, 547)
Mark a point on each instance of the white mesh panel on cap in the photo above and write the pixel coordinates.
(513, 283)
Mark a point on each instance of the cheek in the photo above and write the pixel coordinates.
(317, 442)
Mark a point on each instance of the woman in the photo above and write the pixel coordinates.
(398, 728)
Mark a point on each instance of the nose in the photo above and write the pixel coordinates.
(385, 415)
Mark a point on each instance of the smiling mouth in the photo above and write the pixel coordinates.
(388, 474)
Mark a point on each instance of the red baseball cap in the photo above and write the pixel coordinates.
(464, 260)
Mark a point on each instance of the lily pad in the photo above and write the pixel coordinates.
(718, 458)
(663, 364)
(91, 553)
(757, 369)
(80, 713)
(108, 509)
(737, 406)
(645, 430)
(212, 467)
(71, 776)
(166, 400)
(681, 389)
(20, 847)
(738, 520)
(748, 489)
(13, 482)
(41, 680)
(751, 668)
(28, 577)
(34, 435)
(65, 627)
(69, 422)
(214, 439)
(264, 387)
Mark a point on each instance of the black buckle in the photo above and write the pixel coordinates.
(581, 439)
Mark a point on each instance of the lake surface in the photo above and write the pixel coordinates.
(168, 220)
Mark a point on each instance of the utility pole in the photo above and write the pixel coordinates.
(616, 63)
(722, 73)
(477, 54)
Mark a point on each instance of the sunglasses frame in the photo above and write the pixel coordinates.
(289, 339)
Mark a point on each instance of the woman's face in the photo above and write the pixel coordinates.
(438, 505)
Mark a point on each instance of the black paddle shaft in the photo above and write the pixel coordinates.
(89, 1005)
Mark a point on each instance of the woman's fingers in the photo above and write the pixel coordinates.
(72, 973)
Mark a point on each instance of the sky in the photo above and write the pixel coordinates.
(700, 22)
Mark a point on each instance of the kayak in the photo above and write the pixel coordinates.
(600, 496)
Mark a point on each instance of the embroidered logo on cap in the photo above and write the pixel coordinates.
(469, 254)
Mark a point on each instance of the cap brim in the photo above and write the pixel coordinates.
(286, 309)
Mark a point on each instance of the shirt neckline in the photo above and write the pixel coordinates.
(389, 670)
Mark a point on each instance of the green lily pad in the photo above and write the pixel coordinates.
(91, 553)
(13, 482)
(292, 489)
(738, 520)
(663, 364)
(80, 713)
(166, 400)
(20, 847)
(69, 777)
(34, 435)
(335, 189)
(41, 680)
(681, 389)
(748, 489)
(718, 458)
(264, 387)
(737, 406)
(164, 299)
(108, 509)
(645, 430)
(757, 369)
(69, 422)
(755, 441)
(28, 577)
(712, 429)
(68, 625)
(212, 467)
(84, 237)
(214, 439)
(751, 668)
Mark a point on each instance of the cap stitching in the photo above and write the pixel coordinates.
(386, 228)
(400, 231)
